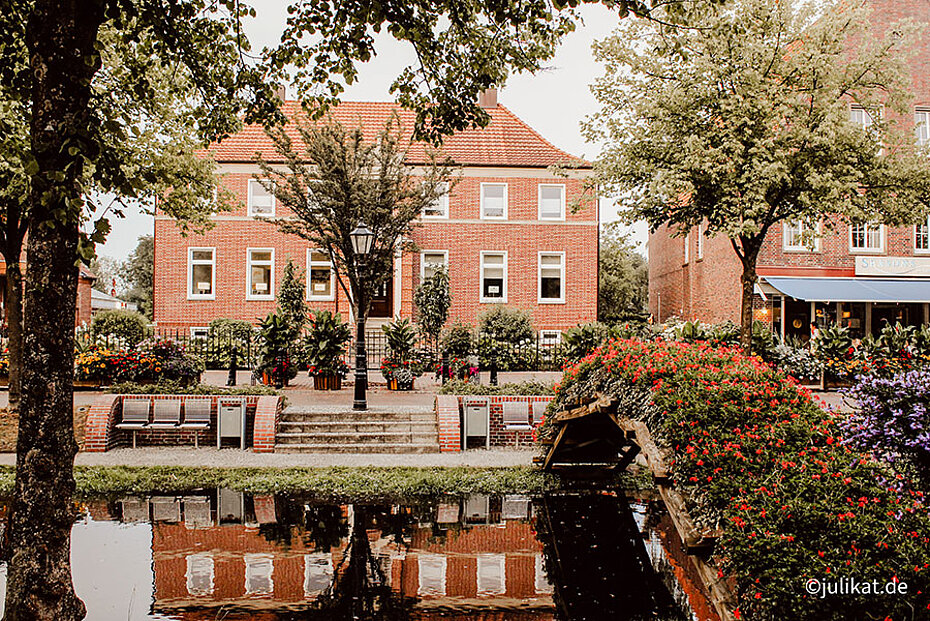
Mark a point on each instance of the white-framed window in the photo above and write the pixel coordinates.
(431, 260)
(492, 574)
(201, 273)
(199, 574)
(550, 338)
(860, 116)
(259, 571)
(494, 201)
(261, 201)
(200, 332)
(439, 209)
(800, 237)
(431, 570)
(542, 580)
(922, 236)
(866, 237)
(260, 274)
(494, 277)
(551, 201)
(318, 573)
(687, 249)
(321, 277)
(551, 277)
(699, 242)
(922, 125)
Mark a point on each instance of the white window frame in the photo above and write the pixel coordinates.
(550, 338)
(868, 119)
(506, 200)
(332, 277)
(687, 249)
(879, 250)
(443, 204)
(248, 275)
(274, 202)
(802, 229)
(423, 253)
(317, 561)
(485, 585)
(201, 562)
(482, 299)
(253, 562)
(539, 270)
(926, 250)
(541, 582)
(539, 190)
(432, 582)
(190, 273)
(922, 119)
(203, 330)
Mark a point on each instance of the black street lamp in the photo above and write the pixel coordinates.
(362, 241)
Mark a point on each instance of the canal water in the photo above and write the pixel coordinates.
(221, 554)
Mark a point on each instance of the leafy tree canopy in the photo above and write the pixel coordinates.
(623, 277)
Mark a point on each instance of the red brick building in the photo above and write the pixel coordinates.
(859, 276)
(508, 232)
(82, 311)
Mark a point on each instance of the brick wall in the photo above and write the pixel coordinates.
(102, 434)
(449, 407)
(463, 235)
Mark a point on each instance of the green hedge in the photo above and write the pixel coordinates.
(760, 460)
(177, 388)
(458, 387)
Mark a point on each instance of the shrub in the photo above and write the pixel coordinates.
(127, 325)
(174, 361)
(291, 305)
(325, 343)
(459, 340)
(758, 459)
(798, 362)
(458, 387)
(581, 340)
(168, 387)
(892, 421)
(506, 325)
(226, 334)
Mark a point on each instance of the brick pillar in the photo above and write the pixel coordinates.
(450, 432)
(100, 421)
(267, 415)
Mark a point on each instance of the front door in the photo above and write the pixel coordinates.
(382, 303)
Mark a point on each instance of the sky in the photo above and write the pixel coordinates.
(553, 101)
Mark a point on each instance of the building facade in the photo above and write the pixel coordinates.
(861, 275)
(509, 232)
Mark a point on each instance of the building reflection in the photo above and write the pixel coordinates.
(271, 557)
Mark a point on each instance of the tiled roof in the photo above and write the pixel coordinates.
(506, 141)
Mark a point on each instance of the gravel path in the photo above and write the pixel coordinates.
(233, 458)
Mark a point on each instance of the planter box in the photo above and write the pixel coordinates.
(327, 382)
(394, 385)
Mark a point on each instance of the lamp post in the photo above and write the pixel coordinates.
(362, 241)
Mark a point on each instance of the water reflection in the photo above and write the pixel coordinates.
(227, 555)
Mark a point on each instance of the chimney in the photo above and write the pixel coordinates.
(488, 98)
(280, 91)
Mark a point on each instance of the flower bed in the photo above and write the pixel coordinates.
(759, 460)
(152, 360)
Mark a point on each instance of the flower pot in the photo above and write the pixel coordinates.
(327, 382)
(393, 384)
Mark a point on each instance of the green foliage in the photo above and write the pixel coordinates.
(275, 354)
(755, 457)
(459, 340)
(238, 329)
(126, 325)
(353, 179)
(623, 277)
(401, 338)
(138, 272)
(584, 338)
(432, 299)
(325, 343)
(798, 362)
(726, 126)
(224, 335)
(529, 388)
(505, 324)
(402, 362)
(170, 387)
(291, 305)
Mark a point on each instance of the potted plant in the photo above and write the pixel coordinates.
(402, 364)
(324, 348)
(274, 366)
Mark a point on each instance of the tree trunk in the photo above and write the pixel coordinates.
(60, 36)
(14, 316)
(748, 282)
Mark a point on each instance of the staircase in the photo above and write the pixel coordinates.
(317, 430)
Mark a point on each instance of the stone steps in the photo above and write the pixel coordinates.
(308, 430)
